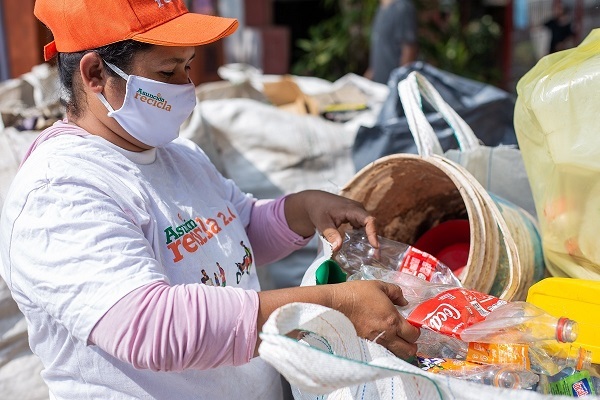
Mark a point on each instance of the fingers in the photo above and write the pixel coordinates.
(394, 293)
(371, 231)
(327, 212)
(381, 322)
(402, 342)
(408, 332)
(333, 236)
(360, 218)
(401, 348)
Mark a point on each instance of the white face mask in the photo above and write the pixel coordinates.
(152, 111)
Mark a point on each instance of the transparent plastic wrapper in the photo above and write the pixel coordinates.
(494, 375)
(435, 344)
(472, 316)
(391, 255)
(556, 121)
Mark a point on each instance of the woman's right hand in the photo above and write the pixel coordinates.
(369, 304)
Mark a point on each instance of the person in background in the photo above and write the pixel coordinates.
(128, 220)
(393, 38)
(561, 28)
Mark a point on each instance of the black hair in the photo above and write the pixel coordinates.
(120, 54)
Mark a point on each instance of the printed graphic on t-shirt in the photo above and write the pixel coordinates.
(222, 275)
(206, 279)
(244, 266)
(191, 234)
(225, 249)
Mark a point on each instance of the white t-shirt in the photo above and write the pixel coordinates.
(120, 220)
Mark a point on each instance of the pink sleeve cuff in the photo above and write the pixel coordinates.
(268, 231)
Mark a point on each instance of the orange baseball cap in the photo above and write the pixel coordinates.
(79, 25)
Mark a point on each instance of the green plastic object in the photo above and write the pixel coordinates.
(330, 272)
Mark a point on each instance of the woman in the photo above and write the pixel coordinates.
(126, 218)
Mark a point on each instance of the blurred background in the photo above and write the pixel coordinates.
(494, 41)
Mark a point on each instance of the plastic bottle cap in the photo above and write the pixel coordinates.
(449, 242)
(566, 330)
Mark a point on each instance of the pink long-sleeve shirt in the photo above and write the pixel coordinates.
(172, 328)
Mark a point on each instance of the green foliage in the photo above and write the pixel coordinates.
(467, 50)
(340, 44)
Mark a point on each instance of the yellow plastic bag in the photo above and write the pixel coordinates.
(558, 129)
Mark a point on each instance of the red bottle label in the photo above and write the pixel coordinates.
(452, 311)
(418, 263)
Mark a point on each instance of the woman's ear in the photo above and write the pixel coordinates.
(93, 72)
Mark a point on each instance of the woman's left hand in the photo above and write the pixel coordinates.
(326, 212)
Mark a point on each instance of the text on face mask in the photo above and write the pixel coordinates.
(153, 100)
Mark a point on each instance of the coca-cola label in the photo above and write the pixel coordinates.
(452, 311)
(419, 263)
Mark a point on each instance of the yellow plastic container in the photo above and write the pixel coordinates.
(576, 299)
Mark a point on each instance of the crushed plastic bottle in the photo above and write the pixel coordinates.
(391, 255)
(494, 375)
(473, 316)
(542, 357)
(550, 357)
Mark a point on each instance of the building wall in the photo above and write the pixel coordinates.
(24, 36)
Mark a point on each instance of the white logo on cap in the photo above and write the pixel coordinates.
(160, 2)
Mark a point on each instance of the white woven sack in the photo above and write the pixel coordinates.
(269, 152)
(500, 170)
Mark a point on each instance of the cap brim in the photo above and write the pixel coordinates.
(189, 30)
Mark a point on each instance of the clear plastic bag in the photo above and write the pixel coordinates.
(556, 124)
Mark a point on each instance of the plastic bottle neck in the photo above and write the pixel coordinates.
(583, 359)
(566, 330)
